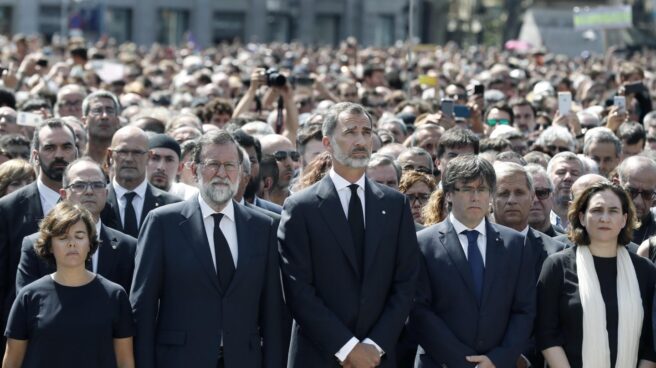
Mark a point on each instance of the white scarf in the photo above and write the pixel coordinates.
(595, 350)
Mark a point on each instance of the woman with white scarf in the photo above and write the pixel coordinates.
(595, 299)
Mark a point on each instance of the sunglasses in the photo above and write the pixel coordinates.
(553, 148)
(493, 122)
(542, 194)
(647, 195)
(282, 155)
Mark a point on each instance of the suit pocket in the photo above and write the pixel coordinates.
(171, 338)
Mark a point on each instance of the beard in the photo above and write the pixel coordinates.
(218, 194)
(346, 159)
(52, 172)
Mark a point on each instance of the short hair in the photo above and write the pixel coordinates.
(555, 133)
(417, 151)
(629, 68)
(502, 168)
(411, 177)
(97, 95)
(501, 106)
(177, 121)
(649, 119)
(13, 140)
(455, 138)
(467, 168)
(566, 156)
(518, 101)
(534, 170)
(622, 168)
(245, 164)
(58, 222)
(494, 144)
(332, 116)
(7, 98)
(538, 158)
(307, 133)
(218, 137)
(378, 159)
(188, 147)
(601, 135)
(216, 106)
(510, 156)
(396, 121)
(269, 168)
(246, 140)
(14, 170)
(52, 123)
(579, 235)
(65, 178)
(631, 133)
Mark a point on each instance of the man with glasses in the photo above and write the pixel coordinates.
(84, 183)
(499, 114)
(637, 175)
(543, 202)
(100, 111)
(417, 159)
(288, 162)
(69, 101)
(470, 268)
(131, 197)
(206, 290)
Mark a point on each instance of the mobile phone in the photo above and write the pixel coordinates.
(42, 63)
(461, 111)
(446, 106)
(621, 102)
(28, 119)
(564, 102)
(479, 89)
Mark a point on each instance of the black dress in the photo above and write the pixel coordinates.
(70, 326)
(560, 314)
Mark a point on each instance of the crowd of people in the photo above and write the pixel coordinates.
(279, 205)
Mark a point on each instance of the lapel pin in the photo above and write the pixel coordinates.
(156, 204)
(383, 212)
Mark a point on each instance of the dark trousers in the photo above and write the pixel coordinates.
(220, 363)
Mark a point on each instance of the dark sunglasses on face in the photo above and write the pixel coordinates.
(542, 194)
(493, 122)
(647, 195)
(282, 155)
(554, 149)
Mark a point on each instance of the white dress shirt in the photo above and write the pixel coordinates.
(344, 193)
(137, 202)
(182, 190)
(228, 227)
(94, 256)
(49, 197)
(459, 227)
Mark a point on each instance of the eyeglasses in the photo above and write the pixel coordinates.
(542, 194)
(282, 155)
(82, 186)
(647, 195)
(419, 197)
(493, 122)
(124, 153)
(98, 111)
(213, 167)
(472, 190)
(421, 169)
(554, 148)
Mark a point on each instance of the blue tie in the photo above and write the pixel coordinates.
(475, 260)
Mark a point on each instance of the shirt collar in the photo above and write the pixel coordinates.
(525, 231)
(341, 183)
(98, 226)
(207, 211)
(140, 189)
(460, 227)
(49, 194)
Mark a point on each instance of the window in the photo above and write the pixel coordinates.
(118, 23)
(173, 25)
(228, 26)
(327, 30)
(384, 31)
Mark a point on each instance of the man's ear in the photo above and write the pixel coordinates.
(326, 144)
(267, 183)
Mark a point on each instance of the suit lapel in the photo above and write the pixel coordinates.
(245, 244)
(106, 252)
(375, 220)
(331, 209)
(112, 201)
(493, 258)
(32, 202)
(451, 243)
(151, 201)
(194, 231)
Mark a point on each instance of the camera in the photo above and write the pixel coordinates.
(274, 78)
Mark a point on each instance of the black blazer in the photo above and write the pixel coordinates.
(267, 205)
(447, 319)
(274, 216)
(181, 312)
(330, 298)
(20, 214)
(111, 215)
(115, 259)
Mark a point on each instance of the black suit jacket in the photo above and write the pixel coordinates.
(447, 319)
(274, 216)
(267, 205)
(111, 215)
(115, 259)
(181, 312)
(330, 298)
(20, 214)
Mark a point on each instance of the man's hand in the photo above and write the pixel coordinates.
(258, 79)
(362, 356)
(481, 361)
(616, 118)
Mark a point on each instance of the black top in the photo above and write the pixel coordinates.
(560, 314)
(70, 326)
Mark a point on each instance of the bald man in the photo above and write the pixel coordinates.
(637, 175)
(287, 159)
(131, 197)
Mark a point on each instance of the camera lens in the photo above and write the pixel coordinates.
(275, 79)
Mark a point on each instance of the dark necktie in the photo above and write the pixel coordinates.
(356, 223)
(130, 218)
(475, 260)
(222, 255)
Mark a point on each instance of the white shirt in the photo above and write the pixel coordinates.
(182, 190)
(49, 197)
(137, 202)
(344, 193)
(464, 243)
(525, 231)
(94, 257)
(228, 227)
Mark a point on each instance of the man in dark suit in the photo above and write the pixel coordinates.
(539, 218)
(84, 183)
(206, 290)
(349, 256)
(131, 197)
(53, 147)
(475, 304)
